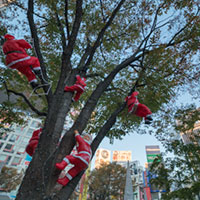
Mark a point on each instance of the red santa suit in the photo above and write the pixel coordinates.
(33, 142)
(17, 58)
(78, 87)
(79, 160)
(137, 108)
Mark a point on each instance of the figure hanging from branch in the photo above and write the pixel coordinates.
(17, 58)
(80, 160)
(78, 87)
(137, 108)
(33, 142)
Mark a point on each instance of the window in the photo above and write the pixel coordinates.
(16, 161)
(35, 124)
(1, 144)
(29, 132)
(8, 148)
(13, 138)
(3, 157)
(20, 150)
(18, 129)
(8, 159)
(4, 136)
(24, 141)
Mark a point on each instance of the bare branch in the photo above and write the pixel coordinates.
(101, 34)
(26, 100)
(75, 28)
(171, 42)
(25, 9)
(63, 39)
(66, 18)
(37, 46)
(102, 13)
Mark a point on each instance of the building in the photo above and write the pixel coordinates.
(152, 152)
(189, 136)
(151, 192)
(13, 144)
(102, 157)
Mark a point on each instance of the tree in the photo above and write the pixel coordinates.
(119, 46)
(179, 174)
(107, 182)
(10, 178)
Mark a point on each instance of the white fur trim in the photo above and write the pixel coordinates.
(37, 68)
(80, 87)
(69, 176)
(85, 152)
(16, 61)
(66, 160)
(34, 80)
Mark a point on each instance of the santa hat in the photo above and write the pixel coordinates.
(9, 37)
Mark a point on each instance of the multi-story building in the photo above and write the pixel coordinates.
(13, 144)
(151, 192)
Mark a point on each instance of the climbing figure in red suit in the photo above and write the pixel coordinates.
(78, 87)
(79, 160)
(17, 58)
(137, 108)
(33, 142)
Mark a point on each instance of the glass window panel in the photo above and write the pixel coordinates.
(16, 161)
(8, 148)
(29, 132)
(24, 141)
(35, 124)
(8, 159)
(3, 157)
(4, 136)
(13, 138)
(20, 150)
(1, 144)
(19, 129)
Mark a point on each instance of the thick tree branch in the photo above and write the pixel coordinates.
(75, 28)
(67, 53)
(37, 46)
(66, 192)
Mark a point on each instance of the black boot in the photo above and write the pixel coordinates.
(34, 84)
(147, 121)
(149, 117)
(39, 73)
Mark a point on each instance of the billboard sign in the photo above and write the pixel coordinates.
(121, 156)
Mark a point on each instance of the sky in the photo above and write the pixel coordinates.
(136, 143)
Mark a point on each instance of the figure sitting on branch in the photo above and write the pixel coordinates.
(78, 87)
(80, 160)
(17, 58)
(137, 108)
